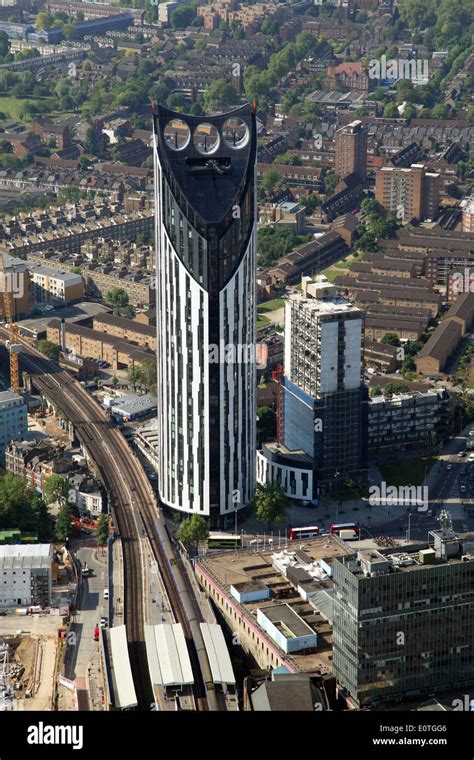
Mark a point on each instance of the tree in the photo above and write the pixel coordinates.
(391, 339)
(4, 45)
(182, 16)
(148, 374)
(115, 380)
(117, 297)
(330, 182)
(270, 180)
(134, 376)
(63, 529)
(21, 507)
(102, 530)
(193, 530)
(270, 503)
(392, 388)
(49, 349)
(266, 424)
(390, 111)
(219, 94)
(56, 490)
(289, 159)
(69, 31)
(44, 20)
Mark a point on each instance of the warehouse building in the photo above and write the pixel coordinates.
(25, 575)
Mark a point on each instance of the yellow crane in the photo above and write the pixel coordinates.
(9, 314)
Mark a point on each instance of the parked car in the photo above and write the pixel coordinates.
(104, 621)
(449, 466)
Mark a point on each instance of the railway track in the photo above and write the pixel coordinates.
(132, 494)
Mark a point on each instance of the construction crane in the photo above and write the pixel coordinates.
(8, 314)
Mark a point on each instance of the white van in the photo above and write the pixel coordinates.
(106, 593)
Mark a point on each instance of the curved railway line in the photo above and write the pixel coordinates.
(132, 495)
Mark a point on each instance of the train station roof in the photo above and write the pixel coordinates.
(218, 654)
(168, 656)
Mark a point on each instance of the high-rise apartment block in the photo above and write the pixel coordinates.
(206, 311)
(410, 193)
(351, 150)
(324, 399)
(404, 620)
(13, 420)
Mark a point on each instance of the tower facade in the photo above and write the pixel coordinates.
(351, 150)
(205, 204)
(324, 398)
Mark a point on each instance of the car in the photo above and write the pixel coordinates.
(104, 621)
(449, 466)
(471, 458)
(96, 633)
(462, 488)
(106, 593)
(430, 513)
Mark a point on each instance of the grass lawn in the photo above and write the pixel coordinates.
(12, 107)
(262, 321)
(406, 472)
(277, 303)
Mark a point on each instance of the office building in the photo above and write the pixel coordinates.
(15, 280)
(404, 620)
(13, 420)
(26, 574)
(324, 399)
(51, 286)
(410, 193)
(206, 306)
(351, 150)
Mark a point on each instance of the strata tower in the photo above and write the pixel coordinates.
(205, 204)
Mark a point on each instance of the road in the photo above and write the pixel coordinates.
(91, 607)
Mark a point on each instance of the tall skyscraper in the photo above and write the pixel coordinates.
(351, 150)
(324, 409)
(411, 193)
(404, 620)
(206, 311)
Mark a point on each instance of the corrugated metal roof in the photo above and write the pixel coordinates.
(168, 657)
(125, 688)
(218, 655)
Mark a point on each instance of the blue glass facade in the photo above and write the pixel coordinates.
(298, 419)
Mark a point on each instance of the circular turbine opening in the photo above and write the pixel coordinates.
(177, 134)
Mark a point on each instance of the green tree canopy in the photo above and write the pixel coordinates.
(102, 530)
(56, 489)
(64, 529)
(391, 339)
(192, 530)
(49, 349)
(270, 504)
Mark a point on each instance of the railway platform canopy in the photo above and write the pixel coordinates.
(123, 688)
(218, 654)
(168, 656)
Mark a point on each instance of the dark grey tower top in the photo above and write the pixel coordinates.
(208, 160)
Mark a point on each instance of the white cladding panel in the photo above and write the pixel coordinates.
(328, 376)
(352, 353)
